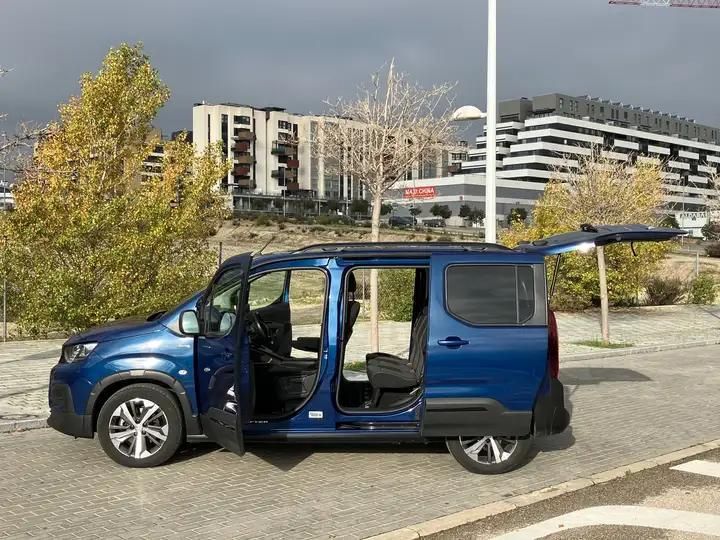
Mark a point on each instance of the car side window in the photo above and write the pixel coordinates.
(267, 289)
(491, 294)
(220, 308)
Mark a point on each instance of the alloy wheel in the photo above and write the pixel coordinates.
(138, 428)
(489, 450)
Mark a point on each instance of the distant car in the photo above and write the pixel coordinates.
(481, 371)
(402, 222)
(434, 222)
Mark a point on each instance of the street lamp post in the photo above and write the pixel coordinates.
(470, 112)
(491, 125)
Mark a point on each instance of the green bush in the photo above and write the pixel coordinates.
(664, 291)
(262, 220)
(702, 290)
(713, 250)
(397, 289)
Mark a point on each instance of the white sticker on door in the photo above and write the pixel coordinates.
(315, 414)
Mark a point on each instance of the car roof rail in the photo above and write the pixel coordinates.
(407, 246)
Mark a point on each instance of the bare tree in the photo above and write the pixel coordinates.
(392, 125)
(603, 191)
(14, 146)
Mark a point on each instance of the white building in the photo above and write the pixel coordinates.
(271, 152)
(539, 138)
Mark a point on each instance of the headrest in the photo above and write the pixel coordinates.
(351, 284)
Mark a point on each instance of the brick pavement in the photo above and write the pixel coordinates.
(52, 485)
(24, 366)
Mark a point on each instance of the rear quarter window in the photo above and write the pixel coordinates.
(491, 294)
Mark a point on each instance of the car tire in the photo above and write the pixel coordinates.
(489, 455)
(140, 425)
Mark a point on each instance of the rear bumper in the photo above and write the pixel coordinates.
(550, 415)
(62, 413)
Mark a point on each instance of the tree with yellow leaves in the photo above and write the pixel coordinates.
(600, 191)
(89, 241)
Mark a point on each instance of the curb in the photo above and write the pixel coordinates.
(465, 517)
(23, 425)
(628, 351)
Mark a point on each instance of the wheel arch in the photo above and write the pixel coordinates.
(106, 387)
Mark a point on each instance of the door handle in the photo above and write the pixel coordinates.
(453, 342)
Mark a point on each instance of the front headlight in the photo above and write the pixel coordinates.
(76, 353)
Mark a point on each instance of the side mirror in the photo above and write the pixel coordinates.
(189, 324)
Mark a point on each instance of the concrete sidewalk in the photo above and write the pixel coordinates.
(25, 366)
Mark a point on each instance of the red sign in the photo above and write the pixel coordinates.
(419, 193)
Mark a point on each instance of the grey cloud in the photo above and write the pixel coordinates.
(295, 53)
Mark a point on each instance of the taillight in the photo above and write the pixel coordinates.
(553, 346)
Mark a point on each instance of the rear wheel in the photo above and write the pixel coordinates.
(489, 454)
(140, 425)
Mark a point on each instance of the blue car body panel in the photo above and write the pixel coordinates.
(502, 368)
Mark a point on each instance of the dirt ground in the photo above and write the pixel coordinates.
(244, 235)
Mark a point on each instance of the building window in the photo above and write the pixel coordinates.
(282, 124)
(562, 103)
(625, 115)
(245, 120)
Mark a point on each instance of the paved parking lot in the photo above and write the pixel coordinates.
(625, 409)
(24, 366)
(675, 501)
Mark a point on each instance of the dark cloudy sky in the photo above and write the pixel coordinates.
(295, 53)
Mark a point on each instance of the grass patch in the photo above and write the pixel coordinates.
(355, 366)
(600, 344)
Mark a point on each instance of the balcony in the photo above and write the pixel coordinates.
(245, 135)
(284, 148)
(292, 163)
(245, 159)
(245, 183)
(241, 171)
(454, 168)
(241, 146)
(283, 174)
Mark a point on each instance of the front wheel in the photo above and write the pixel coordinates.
(140, 425)
(488, 454)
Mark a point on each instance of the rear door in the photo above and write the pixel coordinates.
(591, 236)
(223, 374)
(487, 346)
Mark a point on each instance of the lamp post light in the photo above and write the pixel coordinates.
(469, 113)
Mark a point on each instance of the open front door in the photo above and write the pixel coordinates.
(223, 374)
(590, 236)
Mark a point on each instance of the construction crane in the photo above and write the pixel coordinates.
(669, 3)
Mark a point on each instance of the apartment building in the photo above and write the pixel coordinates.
(539, 138)
(272, 153)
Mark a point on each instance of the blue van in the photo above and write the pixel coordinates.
(260, 354)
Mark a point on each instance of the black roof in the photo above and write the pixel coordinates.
(412, 247)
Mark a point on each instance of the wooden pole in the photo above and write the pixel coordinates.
(604, 306)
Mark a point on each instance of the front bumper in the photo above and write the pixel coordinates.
(550, 415)
(62, 413)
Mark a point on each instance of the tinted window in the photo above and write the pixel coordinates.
(491, 294)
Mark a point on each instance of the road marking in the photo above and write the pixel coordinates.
(700, 466)
(629, 516)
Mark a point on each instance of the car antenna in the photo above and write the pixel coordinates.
(266, 245)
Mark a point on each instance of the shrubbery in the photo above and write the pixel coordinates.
(664, 291)
(702, 290)
(713, 250)
(396, 292)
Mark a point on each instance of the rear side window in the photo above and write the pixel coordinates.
(491, 294)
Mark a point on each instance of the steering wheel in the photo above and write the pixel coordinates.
(258, 328)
